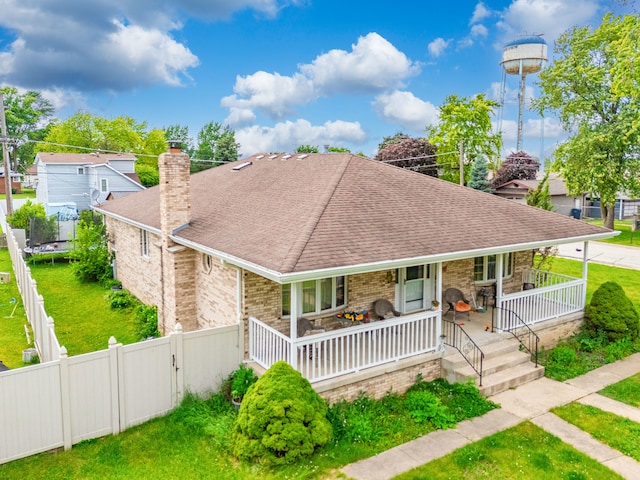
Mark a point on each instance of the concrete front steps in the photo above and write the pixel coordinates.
(504, 367)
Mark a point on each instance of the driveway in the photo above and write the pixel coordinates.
(606, 253)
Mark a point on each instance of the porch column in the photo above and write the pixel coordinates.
(498, 299)
(293, 327)
(439, 299)
(585, 272)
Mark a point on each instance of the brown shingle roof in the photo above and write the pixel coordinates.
(335, 210)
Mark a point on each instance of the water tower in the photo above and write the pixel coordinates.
(523, 56)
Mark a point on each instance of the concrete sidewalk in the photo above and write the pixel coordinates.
(605, 253)
(531, 401)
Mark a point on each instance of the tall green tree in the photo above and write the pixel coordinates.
(540, 196)
(596, 99)
(84, 131)
(478, 177)
(307, 149)
(465, 121)
(27, 117)
(216, 143)
(181, 134)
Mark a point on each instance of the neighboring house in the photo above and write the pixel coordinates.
(83, 179)
(565, 204)
(30, 177)
(273, 238)
(561, 201)
(16, 182)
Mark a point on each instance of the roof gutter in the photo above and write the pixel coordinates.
(127, 220)
(279, 277)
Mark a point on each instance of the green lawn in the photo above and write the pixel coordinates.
(626, 391)
(627, 278)
(84, 321)
(26, 193)
(626, 237)
(194, 441)
(523, 451)
(13, 321)
(617, 432)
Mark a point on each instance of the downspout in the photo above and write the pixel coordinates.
(162, 288)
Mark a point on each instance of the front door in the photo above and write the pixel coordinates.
(415, 288)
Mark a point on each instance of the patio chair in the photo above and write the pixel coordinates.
(457, 303)
(305, 326)
(382, 307)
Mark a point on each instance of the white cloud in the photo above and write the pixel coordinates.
(479, 13)
(550, 17)
(479, 31)
(106, 44)
(438, 46)
(406, 110)
(373, 65)
(552, 129)
(287, 136)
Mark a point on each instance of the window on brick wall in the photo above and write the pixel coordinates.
(144, 243)
(207, 263)
(316, 296)
(484, 268)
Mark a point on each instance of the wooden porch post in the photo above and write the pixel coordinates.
(293, 327)
(585, 272)
(439, 299)
(498, 299)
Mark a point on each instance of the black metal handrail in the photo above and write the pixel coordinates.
(455, 336)
(513, 324)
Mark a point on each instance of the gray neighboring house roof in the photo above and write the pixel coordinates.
(328, 212)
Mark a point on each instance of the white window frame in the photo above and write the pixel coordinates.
(104, 185)
(507, 267)
(207, 263)
(80, 171)
(318, 310)
(144, 243)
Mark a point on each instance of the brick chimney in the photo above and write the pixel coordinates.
(178, 262)
(175, 198)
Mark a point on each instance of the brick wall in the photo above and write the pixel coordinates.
(139, 275)
(179, 292)
(387, 379)
(216, 296)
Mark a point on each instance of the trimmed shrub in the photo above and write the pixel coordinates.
(611, 313)
(281, 419)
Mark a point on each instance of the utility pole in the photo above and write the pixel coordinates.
(4, 139)
(461, 150)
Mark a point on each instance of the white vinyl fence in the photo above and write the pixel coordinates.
(65, 400)
(62, 402)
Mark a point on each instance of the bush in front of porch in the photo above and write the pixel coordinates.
(609, 333)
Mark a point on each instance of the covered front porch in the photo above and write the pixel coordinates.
(356, 347)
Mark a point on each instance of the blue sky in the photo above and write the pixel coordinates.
(281, 73)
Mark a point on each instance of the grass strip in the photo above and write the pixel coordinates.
(626, 391)
(617, 432)
(523, 451)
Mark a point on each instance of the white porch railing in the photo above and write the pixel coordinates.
(553, 296)
(326, 355)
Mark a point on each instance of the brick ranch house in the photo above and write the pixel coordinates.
(272, 238)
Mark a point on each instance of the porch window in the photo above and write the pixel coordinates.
(484, 268)
(144, 243)
(317, 296)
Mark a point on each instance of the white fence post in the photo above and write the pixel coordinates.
(65, 399)
(115, 352)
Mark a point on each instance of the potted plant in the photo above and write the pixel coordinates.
(435, 304)
(242, 379)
